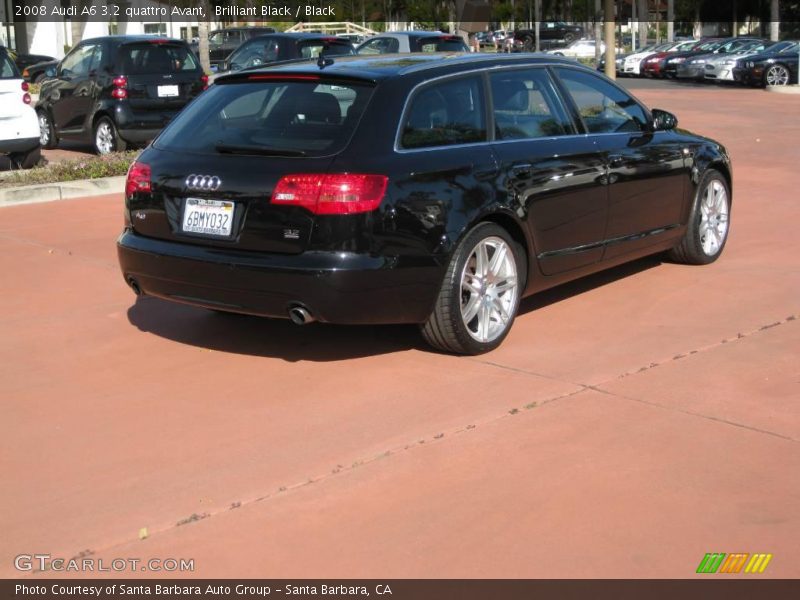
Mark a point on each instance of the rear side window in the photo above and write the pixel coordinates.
(256, 52)
(8, 70)
(442, 44)
(153, 59)
(292, 118)
(526, 105)
(445, 114)
(313, 48)
(604, 108)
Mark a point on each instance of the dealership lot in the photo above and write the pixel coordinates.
(631, 422)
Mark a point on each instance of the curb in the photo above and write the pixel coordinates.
(50, 192)
(784, 89)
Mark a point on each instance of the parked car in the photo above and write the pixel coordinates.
(354, 38)
(654, 64)
(632, 65)
(393, 42)
(377, 190)
(26, 60)
(19, 131)
(694, 65)
(40, 71)
(550, 34)
(619, 63)
(720, 67)
(580, 49)
(118, 90)
(776, 65)
(222, 42)
(276, 47)
(669, 67)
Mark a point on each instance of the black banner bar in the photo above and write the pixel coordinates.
(713, 588)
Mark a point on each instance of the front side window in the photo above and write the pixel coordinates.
(603, 107)
(7, 68)
(78, 62)
(526, 105)
(445, 114)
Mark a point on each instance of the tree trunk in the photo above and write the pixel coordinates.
(598, 29)
(644, 14)
(670, 20)
(202, 42)
(774, 21)
(611, 54)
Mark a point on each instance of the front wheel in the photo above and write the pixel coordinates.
(480, 294)
(47, 133)
(106, 138)
(709, 220)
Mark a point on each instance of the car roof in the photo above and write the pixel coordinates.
(417, 33)
(384, 66)
(297, 35)
(127, 39)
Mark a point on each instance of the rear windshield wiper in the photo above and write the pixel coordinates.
(258, 150)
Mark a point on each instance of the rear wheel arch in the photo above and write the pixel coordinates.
(516, 232)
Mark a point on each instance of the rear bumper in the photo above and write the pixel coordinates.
(19, 145)
(336, 287)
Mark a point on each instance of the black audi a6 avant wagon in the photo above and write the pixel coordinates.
(430, 189)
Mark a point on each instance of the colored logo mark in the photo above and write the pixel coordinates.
(719, 562)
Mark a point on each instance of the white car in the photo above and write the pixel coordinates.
(19, 127)
(580, 49)
(633, 62)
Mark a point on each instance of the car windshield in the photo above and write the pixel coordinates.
(7, 68)
(792, 47)
(440, 44)
(150, 58)
(295, 117)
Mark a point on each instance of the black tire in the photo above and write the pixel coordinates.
(569, 37)
(106, 138)
(39, 78)
(26, 160)
(777, 74)
(47, 133)
(445, 328)
(693, 249)
(529, 44)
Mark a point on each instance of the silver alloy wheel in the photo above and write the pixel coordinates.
(104, 138)
(778, 75)
(713, 217)
(488, 289)
(44, 129)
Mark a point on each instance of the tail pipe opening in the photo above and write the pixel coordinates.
(300, 315)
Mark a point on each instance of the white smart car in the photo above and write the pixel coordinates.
(580, 49)
(19, 127)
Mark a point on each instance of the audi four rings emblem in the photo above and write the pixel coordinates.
(203, 183)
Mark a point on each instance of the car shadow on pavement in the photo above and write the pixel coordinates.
(587, 284)
(279, 338)
(275, 338)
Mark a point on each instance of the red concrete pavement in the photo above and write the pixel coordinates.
(632, 421)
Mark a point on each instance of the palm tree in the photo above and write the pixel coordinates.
(774, 21)
(670, 20)
(202, 42)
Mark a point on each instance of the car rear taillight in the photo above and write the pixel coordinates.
(26, 97)
(120, 91)
(204, 81)
(138, 179)
(332, 194)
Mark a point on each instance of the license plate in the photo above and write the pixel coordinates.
(168, 91)
(208, 217)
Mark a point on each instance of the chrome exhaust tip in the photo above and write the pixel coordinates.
(300, 315)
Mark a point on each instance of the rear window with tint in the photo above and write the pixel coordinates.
(302, 118)
(151, 59)
(8, 70)
(312, 48)
(448, 44)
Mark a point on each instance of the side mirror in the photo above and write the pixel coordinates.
(663, 120)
